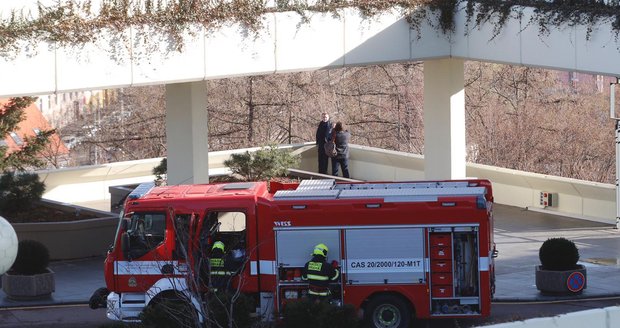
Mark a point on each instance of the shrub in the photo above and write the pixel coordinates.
(243, 306)
(307, 314)
(32, 258)
(19, 192)
(160, 171)
(171, 311)
(558, 254)
(265, 163)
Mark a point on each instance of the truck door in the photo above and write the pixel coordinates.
(143, 246)
(186, 245)
(182, 224)
(229, 227)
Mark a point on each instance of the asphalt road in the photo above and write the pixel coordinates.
(507, 312)
(74, 316)
(61, 316)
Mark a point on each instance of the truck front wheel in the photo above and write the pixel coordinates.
(388, 311)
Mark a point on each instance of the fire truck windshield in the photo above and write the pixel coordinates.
(146, 231)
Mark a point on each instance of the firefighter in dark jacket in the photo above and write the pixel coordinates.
(319, 273)
(220, 275)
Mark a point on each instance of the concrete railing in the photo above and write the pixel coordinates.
(89, 185)
(575, 198)
(600, 318)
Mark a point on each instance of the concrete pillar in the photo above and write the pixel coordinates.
(187, 133)
(444, 119)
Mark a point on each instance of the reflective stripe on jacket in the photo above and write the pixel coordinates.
(319, 273)
(218, 267)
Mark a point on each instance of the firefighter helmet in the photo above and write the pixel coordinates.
(320, 249)
(218, 245)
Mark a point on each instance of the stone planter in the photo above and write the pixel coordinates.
(561, 282)
(22, 287)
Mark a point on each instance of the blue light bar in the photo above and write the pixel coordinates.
(141, 190)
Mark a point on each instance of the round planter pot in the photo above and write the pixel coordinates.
(561, 282)
(21, 287)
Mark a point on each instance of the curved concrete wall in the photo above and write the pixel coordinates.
(89, 185)
(72, 239)
(577, 198)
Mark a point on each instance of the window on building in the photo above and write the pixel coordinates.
(16, 138)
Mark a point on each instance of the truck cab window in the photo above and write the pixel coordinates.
(229, 227)
(146, 231)
(231, 221)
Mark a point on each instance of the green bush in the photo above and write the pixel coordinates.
(558, 254)
(19, 192)
(308, 314)
(169, 313)
(172, 311)
(32, 258)
(265, 163)
(219, 305)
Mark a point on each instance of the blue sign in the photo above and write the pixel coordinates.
(575, 282)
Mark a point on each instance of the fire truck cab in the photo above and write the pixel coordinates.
(404, 249)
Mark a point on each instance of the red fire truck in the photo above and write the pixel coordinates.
(405, 249)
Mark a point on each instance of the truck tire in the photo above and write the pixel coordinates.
(99, 298)
(388, 311)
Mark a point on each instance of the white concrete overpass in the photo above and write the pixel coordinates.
(285, 45)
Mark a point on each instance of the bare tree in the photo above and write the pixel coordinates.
(534, 120)
(517, 117)
(56, 153)
(129, 125)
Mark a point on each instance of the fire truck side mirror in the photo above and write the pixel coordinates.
(125, 244)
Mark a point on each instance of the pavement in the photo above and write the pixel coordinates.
(518, 235)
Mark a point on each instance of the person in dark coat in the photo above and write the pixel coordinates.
(342, 147)
(323, 133)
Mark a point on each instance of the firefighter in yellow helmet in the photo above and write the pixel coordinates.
(220, 275)
(319, 273)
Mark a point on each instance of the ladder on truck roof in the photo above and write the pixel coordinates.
(390, 192)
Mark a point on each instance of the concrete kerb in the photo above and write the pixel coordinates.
(552, 299)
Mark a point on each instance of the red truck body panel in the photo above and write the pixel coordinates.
(428, 243)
